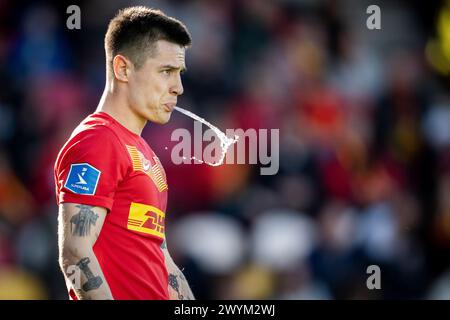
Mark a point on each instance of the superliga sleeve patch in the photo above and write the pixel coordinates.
(82, 179)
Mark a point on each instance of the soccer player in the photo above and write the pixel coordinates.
(110, 186)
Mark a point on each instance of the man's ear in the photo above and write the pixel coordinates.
(121, 67)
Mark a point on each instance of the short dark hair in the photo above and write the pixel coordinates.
(134, 31)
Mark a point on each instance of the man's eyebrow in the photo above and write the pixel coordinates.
(172, 67)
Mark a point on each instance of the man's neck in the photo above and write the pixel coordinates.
(117, 107)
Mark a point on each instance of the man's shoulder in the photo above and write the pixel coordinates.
(95, 129)
(93, 134)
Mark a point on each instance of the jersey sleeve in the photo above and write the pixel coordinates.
(90, 168)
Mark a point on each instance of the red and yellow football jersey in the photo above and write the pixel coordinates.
(104, 164)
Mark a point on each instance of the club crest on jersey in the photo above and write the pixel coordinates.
(82, 179)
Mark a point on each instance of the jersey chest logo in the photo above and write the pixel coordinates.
(155, 171)
(146, 219)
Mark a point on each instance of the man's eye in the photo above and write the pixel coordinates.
(166, 72)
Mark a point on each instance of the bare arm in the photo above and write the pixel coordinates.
(78, 229)
(178, 287)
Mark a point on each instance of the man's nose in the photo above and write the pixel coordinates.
(177, 87)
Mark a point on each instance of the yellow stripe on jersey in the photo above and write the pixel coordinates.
(135, 158)
(154, 172)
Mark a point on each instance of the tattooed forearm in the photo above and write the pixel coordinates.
(180, 286)
(177, 283)
(80, 224)
(173, 282)
(93, 282)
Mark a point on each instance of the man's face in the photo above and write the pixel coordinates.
(154, 88)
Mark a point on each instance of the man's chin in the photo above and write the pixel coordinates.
(162, 120)
(167, 119)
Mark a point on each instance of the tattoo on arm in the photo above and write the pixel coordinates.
(173, 282)
(80, 224)
(181, 287)
(93, 282)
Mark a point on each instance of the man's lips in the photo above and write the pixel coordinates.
(169, 106)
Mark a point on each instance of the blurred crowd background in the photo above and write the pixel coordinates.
(364, 120)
